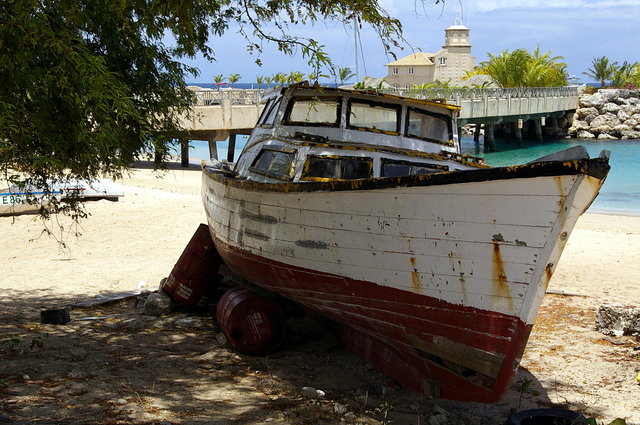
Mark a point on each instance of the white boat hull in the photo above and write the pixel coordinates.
(480, 250)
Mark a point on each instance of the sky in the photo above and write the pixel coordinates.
(577, 30)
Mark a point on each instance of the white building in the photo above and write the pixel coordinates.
(448, 64)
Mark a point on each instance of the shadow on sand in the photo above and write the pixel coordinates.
(111, 364)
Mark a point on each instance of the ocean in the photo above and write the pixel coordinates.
(620, 193)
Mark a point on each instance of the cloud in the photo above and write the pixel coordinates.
(491, 5)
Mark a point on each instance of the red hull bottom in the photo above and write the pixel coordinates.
(426, 344)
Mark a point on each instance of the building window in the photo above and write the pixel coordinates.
(410, 70)
(442, 61)
(395, 70)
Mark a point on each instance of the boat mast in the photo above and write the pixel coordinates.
(356, 36)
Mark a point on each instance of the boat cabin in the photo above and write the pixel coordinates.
(320, 134)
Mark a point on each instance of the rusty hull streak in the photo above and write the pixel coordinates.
(415, 276)
(500, 285)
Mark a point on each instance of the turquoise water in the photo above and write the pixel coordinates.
(620, 193)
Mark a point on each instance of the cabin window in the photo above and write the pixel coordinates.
(270, 114)
(265, 111)
(442, 61)
(395, 70)
(274, 163)
(314, 111)
(410, 70)
(429, 126)
(321, 168)
(374, 116)
(392, 168)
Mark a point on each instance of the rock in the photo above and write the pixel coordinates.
(590, 118)
(585, 135)
(630, 134)
(608, 119)
(141, 299)
(595, 100)
(349, 417)
(340, 409)
(610, 107)
(582, 113)
(580, 125)
(615, 319)
(188, 322)
(312, 393)
(157, 304)
(288, 413)
(606, 136)
(621, 127)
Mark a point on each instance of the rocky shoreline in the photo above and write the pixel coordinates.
(609, 114)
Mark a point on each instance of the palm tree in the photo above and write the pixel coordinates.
(268, 79)
(295, 77)
(344, 74)
(280, 78)
(233, 78)
(544, 70)
(218, 79)
(625, 75)
(523, 69)
(601, 70)
(259, 80)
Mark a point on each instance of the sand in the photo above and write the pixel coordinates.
(125, 368)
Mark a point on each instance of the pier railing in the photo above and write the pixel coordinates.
(210, 97)
(455, 95)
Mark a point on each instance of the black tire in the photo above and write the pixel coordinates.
(546, 417)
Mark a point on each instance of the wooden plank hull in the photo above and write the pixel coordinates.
(439, 275)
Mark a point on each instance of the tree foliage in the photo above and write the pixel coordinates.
(626, 75)
(520, 68)
(345, 74)
(601, 70)
(90, 85)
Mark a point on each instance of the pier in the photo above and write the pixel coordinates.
(516, 108)
(224, 113)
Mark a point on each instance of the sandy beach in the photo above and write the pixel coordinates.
(112, 365)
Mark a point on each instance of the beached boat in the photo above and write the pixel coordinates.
(30, 199)
(359, 207)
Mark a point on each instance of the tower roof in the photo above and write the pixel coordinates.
(456, 27)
